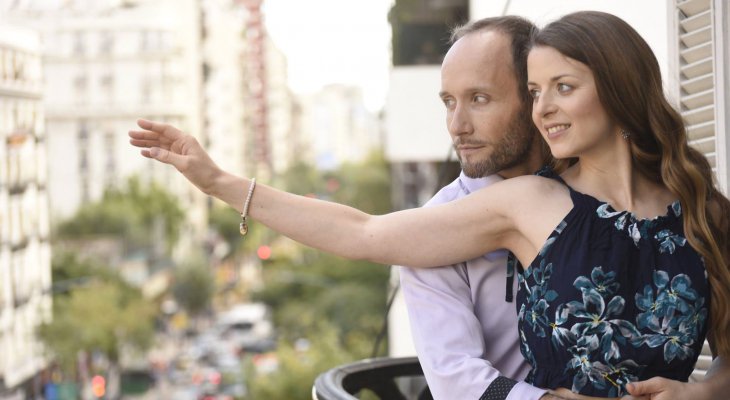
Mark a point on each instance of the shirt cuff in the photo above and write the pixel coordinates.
(524, 391)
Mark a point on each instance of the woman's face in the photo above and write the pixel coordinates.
(566, 107)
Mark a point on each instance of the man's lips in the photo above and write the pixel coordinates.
(466, 149)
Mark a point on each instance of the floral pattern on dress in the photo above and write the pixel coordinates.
(593, 330)
(534, 311)
(636, 229)
(595, 334)
(674, 313)
(668, 241)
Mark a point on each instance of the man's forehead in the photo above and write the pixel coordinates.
(479, 49)
(487, 40)
(479, 60)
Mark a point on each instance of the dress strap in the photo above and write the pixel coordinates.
(580, 200)
(512, 264)
(548, 172)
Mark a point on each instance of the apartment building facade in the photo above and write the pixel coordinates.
(107, 64)
(25, 253)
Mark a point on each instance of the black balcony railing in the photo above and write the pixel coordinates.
(387, 378)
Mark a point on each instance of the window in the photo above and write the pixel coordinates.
(106, 43)
(83, 146)
(421, 29)
(80, 89)
(107, 87)
(79, 47)
(146, 92)
(111, 162)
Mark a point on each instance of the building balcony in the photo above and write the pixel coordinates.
(387, 378)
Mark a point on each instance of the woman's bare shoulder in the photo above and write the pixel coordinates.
(532, 185)
(528, 192)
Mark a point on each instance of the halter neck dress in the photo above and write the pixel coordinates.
(612, 299)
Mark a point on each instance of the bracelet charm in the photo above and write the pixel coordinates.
(243, 226)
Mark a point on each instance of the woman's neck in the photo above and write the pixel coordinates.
(621, 185)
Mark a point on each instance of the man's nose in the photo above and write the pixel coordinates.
(460, 122)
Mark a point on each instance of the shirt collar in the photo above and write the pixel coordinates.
(473, 184)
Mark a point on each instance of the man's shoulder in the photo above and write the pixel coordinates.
(460, 187)
(448, 193)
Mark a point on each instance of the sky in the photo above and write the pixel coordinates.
(334, 41)
(348, 41)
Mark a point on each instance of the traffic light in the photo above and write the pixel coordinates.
(98, 386)
(264, 252)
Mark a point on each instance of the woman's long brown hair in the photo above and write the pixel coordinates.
(629, 86)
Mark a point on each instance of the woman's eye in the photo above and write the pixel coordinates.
(564, 88)
(534, 93)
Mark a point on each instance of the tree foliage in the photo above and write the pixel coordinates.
(349, 294)
(299, 367)
(338, 305)
(133, 212)
(94, 311)
(193, 287)
(365, 185)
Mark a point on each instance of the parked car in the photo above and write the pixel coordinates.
(247, 326)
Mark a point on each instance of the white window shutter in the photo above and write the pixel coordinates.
(698, 37)
(696, 94)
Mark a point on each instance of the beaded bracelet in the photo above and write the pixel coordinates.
(243, 227)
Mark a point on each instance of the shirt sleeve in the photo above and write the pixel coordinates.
(448, 336)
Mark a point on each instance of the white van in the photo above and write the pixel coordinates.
(247, 326)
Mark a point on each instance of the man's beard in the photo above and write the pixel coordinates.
(511, 150)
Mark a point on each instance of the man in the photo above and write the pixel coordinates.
(465, 332)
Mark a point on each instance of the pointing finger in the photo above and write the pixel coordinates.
(146, 135)
(166, 130)
(144, 143)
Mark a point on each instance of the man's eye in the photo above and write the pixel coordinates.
(481, 99)
(449, 103)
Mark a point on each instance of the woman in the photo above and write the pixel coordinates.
(609, 296)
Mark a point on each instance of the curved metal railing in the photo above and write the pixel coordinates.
(387, 378)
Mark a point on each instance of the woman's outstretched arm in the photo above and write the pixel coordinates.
(435, 236)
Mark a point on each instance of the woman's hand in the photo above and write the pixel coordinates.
(167, 144)
(564, 393)
(666, 389)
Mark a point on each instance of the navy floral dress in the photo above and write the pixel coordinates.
(612, 299)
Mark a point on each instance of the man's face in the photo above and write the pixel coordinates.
(488, 124)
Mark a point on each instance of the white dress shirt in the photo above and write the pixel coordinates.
(464, 331)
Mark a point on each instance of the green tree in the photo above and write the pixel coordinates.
(298, 365)
(226, 220)
(338, 305)
(69, 271)
(193, 287)
(349, 294)
(302, 178)
(94, 310)
(134, 212)
(313, 286)
(365, 185)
